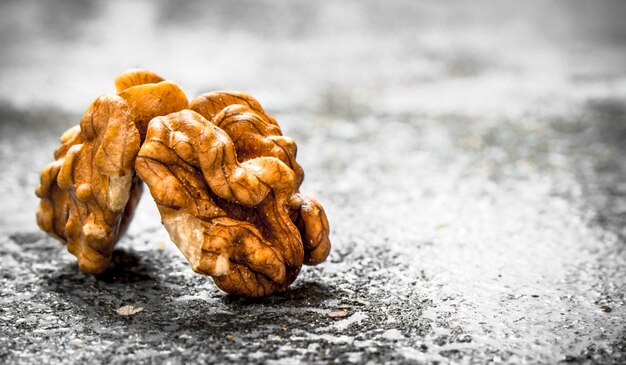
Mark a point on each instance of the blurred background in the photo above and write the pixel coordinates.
(497, 57)
(470, 155)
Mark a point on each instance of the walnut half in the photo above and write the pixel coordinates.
(230, 218)
(88, 194)
(256, 134)
(225, 180)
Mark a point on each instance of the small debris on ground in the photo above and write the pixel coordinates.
(128, 310)
(338, 314)
(78, 344)
(349, 291)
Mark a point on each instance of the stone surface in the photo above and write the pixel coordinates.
(470, 159)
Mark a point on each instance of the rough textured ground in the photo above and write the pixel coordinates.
(470, 158)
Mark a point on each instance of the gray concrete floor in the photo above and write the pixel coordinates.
(469, 156)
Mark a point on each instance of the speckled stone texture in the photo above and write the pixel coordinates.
(470, 158)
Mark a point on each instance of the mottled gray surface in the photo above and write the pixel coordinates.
(469, 156)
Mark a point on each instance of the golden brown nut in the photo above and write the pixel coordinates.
(254, 137)
(88, 194)
(227, 189)
(256, 134)
(54, 206)
(134, 77)
(211, 103)
(310, 218)
(229, 219)
(147, 101)
(98, 175)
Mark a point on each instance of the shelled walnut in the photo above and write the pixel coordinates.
(90, 191)
(256, 134)
(224, 178)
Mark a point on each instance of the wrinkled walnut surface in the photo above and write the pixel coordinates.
(224, 178)
(85, 192)
(230, 218)
(53, 209)
(256, 134)
(88, 194)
